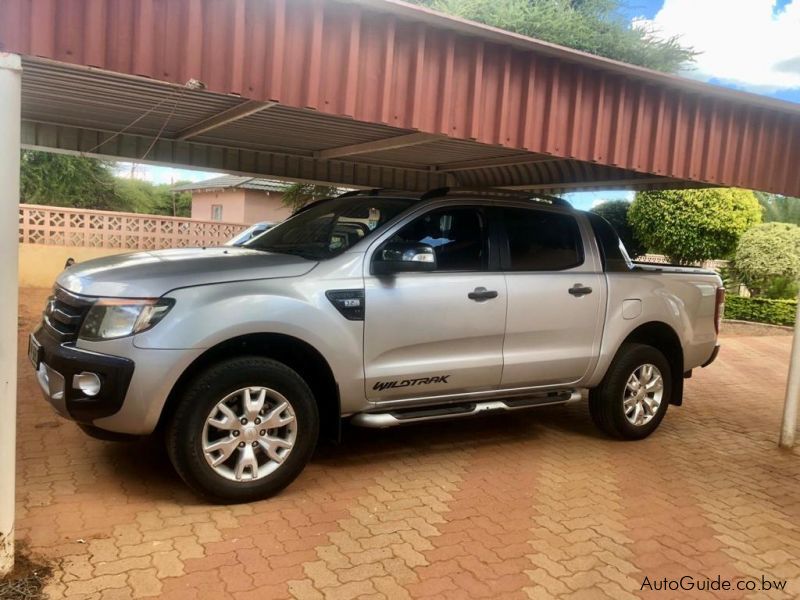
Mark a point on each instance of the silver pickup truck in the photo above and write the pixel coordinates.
(382, 307)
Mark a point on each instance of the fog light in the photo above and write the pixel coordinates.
(88, 383)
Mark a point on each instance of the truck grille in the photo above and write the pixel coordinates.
(64, 314)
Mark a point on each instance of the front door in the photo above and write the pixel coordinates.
(437, 333)
(557, 298)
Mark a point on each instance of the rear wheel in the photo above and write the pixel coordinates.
(243, 430)
(633, 397)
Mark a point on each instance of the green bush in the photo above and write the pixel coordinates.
(691, 226)
(781, 288)
(760, 310)
(767, 254)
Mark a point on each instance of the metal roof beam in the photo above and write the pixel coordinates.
(610, 183)
(240, 111)
(392, 143)
(225, 158)
(499, 161)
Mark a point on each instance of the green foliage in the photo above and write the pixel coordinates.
(81, 182)
(594, 26)
(785, 288)
(779, 209)
(298, 195)
(730, 279)
(152, 199)
(691, 226)
(760, 310)
(616, 213)
(75, 181)
(766, 254)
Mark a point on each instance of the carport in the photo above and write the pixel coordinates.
(359, 93)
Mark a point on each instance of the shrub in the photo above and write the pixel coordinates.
(691, 226)
(760, 310)
(781, 288)
(616, 213)
(768, 254)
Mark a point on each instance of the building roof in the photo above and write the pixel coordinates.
(377, 93)
(233, 181)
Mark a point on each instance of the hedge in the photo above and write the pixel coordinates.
(760, 310)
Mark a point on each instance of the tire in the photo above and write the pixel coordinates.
(258, 463)
(607, 402)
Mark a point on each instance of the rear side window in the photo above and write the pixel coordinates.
(613, 253)
(539, 240)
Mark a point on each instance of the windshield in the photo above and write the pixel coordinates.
(329, 227)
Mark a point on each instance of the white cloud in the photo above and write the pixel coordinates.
(743, 42)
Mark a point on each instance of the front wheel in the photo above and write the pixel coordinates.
(634, 395)
(243, 430)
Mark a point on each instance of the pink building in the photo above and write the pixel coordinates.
(236, 199)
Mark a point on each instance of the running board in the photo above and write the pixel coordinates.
(393, 418)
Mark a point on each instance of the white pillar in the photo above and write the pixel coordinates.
(10, 116)
(789, 425)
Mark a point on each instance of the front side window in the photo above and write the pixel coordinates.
(458, 236)
(329, 227)
(540, 240)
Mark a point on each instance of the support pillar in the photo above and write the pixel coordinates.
(10, 117)
(789, 425)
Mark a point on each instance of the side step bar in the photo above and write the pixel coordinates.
(393, 418)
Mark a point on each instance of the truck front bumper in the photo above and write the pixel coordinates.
(134, 382)
(80, 385)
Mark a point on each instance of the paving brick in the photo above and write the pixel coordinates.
(122, 566)
(537, 505)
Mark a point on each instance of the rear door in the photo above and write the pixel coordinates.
(556, 297)
(430, 334)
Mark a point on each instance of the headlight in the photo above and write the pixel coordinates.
(111, 318)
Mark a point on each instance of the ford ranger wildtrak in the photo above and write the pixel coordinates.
(381, 307)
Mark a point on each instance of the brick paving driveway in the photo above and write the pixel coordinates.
(533, 505)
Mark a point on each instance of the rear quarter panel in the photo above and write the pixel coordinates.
(685, 300)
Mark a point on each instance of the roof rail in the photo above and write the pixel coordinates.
(371, 192)
(380, 192)
(495, 193)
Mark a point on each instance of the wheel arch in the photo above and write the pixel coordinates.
(663, 337)
(295, 353)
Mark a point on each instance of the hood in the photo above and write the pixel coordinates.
(152, 274)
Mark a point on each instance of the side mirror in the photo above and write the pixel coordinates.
(403, 257)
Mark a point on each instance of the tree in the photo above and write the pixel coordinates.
(594, 26)
(780, 209)
(154, 199)
(768, 259)
(616, 213)
(691, 226)
(75, 181)
(297, 195)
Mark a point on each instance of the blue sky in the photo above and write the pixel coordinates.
(750, 45)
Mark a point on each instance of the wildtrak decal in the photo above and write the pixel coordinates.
(385, 385)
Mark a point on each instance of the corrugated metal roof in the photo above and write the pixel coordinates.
(363, 69)
(233, 181)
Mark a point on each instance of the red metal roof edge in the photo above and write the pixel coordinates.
(497, 35)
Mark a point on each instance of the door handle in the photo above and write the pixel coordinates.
(580, 290)
(479, 294)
